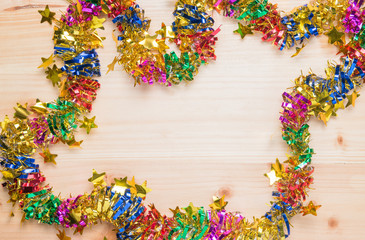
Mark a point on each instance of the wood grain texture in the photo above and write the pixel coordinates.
(216, 135)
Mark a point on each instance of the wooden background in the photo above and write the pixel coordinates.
(216, 135)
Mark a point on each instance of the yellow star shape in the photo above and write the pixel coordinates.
(47, 62)
(149, 41)
(97, 179)
(132, 186)
(21, 111)
(4, 124)
(298, 50)
(278, 168)
(47, 15)
(120, 185)
(112, 65)
(7, 174)
(175, 211)
(310, 209)
(191, 209)
(62, 235)
(166, 31)
(48, 156)
(352, 98)
(72, 143)
(272, 176)
(335, 36)
(88, 124)
(243, 30)
(142, 190)
(218, 203)
(54, 74)
(97, 22)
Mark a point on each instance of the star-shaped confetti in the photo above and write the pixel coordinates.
(4, 124)
(276, 173)
(47, 15)
(191, 209)
(97, 22)
(7, 174)
(112, 65)
(175, 211)
(149, 41)
(142, 190)
(272, 176)
(322, 117)
(48, 157)
(166, 31)
(310, 209)
(335, 36)
(53, 74)
(162, 46)
(218, 203)
(47, 62)
(120, 185)
(21, 111)
(243, 30)
(97, 179)
(88, 124)
(278, 168)
(352, 98)
(62, 235)
(72, 143)
(298, 50)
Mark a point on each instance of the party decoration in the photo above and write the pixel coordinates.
(144, 56)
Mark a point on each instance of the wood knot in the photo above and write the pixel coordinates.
(226, 191)
(340, 140)
(332, 223)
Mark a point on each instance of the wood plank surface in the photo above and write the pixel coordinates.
(216, 135)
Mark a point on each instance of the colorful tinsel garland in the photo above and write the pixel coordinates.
(144, 56)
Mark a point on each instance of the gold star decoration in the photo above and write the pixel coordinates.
(142, 190)
(191, 209)
(54, 74)
(21, 111)
(72, 143)
(112, 65)
(120, 185)
(166, 31)
(39, 107)
(278, 168)
(47, 62)
(97, 22)
(139, 190)
(7, 174)
(339, 105)
(335, 36)
(88, 124)
(4, 124)
(276, 173)
(310, 209)
(97, 179)
(298, 50)
(115, 38)
(352, 98)
(149, 41)
(218, 203)
(48, 157)
(175, 211)
(47, 15)
(272, 177)
(243, 30)
(62, 235)
(132, 186)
